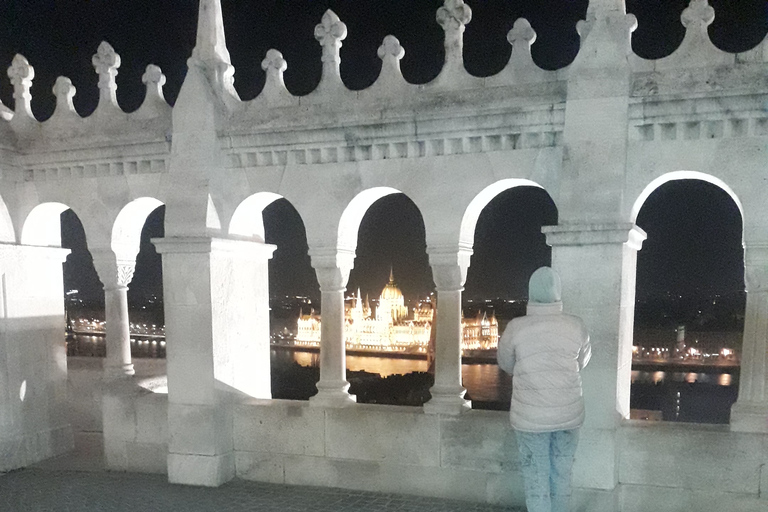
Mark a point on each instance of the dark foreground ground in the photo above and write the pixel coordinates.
(42, 490)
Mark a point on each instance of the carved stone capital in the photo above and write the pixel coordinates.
(449, 266)
(332, 267)
(595, 234)
(125, 272)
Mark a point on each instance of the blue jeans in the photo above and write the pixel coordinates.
(546, 459)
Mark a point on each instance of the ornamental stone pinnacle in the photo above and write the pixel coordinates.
(521, 34)
(698, 13)
(330, 32)
(106, 62)
(454, 15)
(21, 75)
(391, 48)
(274, 62)
(154, 79)
(64, 92)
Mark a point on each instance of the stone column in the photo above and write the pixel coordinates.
(332, 267)
(115, 275)
(449, 270)
(750, 412)
(597, 264)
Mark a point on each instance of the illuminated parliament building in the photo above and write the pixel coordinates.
(393, 328)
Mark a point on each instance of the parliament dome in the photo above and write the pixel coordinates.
(391, 292)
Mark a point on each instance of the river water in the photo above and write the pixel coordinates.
(681, 396)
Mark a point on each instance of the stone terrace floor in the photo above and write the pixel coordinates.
(44, 490)
(77, 482)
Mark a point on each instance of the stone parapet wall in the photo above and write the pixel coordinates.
(474, 457)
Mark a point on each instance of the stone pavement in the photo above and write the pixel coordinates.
(46, 490)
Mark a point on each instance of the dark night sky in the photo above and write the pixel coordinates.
(693, 230)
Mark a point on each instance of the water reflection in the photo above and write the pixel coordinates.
(720, 379)
(484, 382)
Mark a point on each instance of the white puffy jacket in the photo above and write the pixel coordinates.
(544, 351)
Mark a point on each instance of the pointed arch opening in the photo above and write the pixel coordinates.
(504, 222)
(56, 225)
(389, 302)
(690, 300)
(136, 225)
(293, 291)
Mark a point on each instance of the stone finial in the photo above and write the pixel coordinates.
(275, 65)
(453, 17)
(154, 79)
(330, 32)
(21, 75)
(521, 67)
(391, 52)
(64, 92)
(106, 62)
(698, 14)
(391, 49)
(522, 34)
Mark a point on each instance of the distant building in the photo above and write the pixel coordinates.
(395, 328)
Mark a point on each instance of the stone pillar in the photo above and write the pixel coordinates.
(597, 265)
(34, 417)
(115, 275)
(332, 267)
(750, 412)
(449, 270)
(217, 331)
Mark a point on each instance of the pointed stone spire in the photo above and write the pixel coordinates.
(330, 32)
(391, 275)
(21, 75)
(106, 62)
(453, 17)
(64, 92)
(210, 50)
(605, 6)
(211, 45)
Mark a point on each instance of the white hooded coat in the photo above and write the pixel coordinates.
(544, 351)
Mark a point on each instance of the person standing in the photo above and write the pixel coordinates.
(544, 351)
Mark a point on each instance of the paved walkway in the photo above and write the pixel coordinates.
(46, 490)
